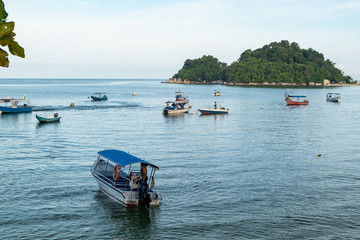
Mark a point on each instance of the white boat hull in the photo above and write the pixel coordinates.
(177, 111)
(125, 198)
(213, 111)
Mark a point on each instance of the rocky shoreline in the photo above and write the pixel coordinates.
(326, 83)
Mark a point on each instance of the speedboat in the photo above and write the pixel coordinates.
(99, 96)
(180, 105)
(125, 179)
(333, 97)
(295, 99)
(54, 118)
(15, 105)
(215, 110)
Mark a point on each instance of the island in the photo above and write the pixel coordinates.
(278, 64)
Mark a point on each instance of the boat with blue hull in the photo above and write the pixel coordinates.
(99, 96)
(15, 105)
(125, 179)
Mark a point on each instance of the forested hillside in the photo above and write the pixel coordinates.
(274, 63)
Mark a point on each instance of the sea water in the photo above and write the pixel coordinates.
(264, 171)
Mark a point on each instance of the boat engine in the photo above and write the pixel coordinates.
(144, 196)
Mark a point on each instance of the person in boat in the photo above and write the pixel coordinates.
(144, 172)
(56, 115)
(215, 105)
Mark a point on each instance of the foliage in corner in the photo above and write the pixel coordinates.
(7, 37)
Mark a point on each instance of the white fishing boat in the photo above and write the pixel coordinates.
(180, 105)
(218, 109)
(333, 97)
(116, 176)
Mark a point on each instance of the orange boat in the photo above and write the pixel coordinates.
(295, 99)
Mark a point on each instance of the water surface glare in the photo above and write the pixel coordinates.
(251, 174)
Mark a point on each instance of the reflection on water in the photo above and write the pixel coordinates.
(131, 222)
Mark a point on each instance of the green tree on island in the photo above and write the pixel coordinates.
(206, 68)
(7, 37)
(276, 62)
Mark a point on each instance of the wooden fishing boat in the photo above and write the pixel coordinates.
(54, 118)
(295, 99)
(118, 179)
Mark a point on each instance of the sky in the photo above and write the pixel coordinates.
(151, 39)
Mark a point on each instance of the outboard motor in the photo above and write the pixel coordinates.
(144, 196)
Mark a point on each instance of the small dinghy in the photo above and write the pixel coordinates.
(54, 118)
(99, 96)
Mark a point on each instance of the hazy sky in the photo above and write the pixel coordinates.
(153, 38)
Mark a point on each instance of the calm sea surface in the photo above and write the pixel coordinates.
(253, 174)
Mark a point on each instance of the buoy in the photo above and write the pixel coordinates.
(134, 94)
(261, 107)
(72, 104)
(319, 155)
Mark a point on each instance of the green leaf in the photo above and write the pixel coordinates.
(7, 39)
(6, 28)
(4, 61)
(3, 13)
(16, 49)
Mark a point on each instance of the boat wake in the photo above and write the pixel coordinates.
(85, 107)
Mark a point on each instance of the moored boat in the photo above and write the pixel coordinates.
(333, 97)
(180, 105)
(117, 178)
(216, 110)
(295, 99)
(54, 118)
(15, 105)
(99, 96)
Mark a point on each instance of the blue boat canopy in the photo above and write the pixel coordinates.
(122, 158)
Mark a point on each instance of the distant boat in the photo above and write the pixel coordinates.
(12, 105)
(295, 99)
(217, 92)
(216, 110)
(333, 97)
(54, 118)
(180, 105)
(118, 179)
(99, 97)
